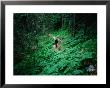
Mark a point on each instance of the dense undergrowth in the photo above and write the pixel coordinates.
(44, 60)
(33, 47)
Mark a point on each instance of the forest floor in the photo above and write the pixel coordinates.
(45, 60)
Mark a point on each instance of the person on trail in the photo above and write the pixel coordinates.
(56, 43)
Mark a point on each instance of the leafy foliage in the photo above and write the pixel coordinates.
(33, 48)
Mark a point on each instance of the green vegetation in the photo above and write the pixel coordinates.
(34, 53)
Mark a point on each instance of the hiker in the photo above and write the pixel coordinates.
(56, 43)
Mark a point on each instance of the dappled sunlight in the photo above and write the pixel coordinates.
(49, 48)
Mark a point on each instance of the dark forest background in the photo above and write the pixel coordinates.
(33, 51)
